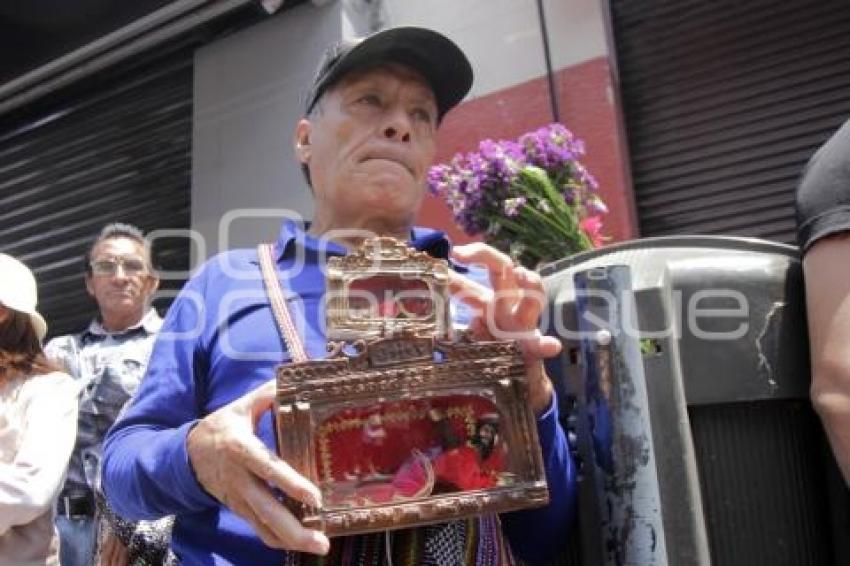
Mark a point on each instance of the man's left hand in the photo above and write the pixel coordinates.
(509, 311)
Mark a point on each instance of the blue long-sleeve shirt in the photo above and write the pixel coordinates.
(218, 342)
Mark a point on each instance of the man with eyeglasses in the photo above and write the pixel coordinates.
(109, 359)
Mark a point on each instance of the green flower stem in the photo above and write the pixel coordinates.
(544, 243)
(533, 236)
(556, 222)
(537, 184)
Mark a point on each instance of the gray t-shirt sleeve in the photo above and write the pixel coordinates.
(823, 197)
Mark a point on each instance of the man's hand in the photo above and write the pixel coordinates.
(510, 310)
(113, 552)
(236, 468)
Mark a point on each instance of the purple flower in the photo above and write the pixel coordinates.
(552, 147)
(485, 186)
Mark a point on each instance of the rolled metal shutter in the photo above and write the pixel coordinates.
(724, 103)
(118, 152)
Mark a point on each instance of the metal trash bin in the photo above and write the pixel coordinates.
(684, 384)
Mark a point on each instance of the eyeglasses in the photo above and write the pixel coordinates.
(109, 267)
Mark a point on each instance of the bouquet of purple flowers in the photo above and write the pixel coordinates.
(531, 198)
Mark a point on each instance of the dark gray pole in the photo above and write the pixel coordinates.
(622, 462)
(553, 91)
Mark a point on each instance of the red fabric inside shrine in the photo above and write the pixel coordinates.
(377, 439)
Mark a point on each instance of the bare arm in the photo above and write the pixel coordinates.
(826, 267)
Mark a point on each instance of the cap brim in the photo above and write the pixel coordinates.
(438, 59)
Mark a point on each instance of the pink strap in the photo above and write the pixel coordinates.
(279, 307)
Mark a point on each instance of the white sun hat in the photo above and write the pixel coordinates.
(18, 291)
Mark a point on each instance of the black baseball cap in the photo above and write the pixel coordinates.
(437, 58)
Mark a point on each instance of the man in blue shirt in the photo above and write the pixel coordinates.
(198, 441)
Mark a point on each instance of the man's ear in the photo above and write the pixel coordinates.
(151, 285)
(89, 286)
(301, 141)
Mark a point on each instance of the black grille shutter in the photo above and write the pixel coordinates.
(724, 103)
(119, 152)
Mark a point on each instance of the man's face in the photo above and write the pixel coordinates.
(121, 280)
(370, 144)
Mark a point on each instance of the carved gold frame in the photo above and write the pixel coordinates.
(402, 360)
(387, 257)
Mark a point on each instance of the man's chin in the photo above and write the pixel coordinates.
(125, 305)
(393, 197)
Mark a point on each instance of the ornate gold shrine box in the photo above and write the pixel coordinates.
(406, 422)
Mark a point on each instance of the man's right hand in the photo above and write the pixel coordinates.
(236, 468)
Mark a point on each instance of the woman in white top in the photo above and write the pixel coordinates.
(38, 420)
